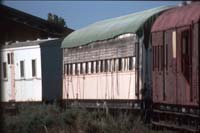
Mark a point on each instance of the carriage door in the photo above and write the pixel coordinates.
(10, 58)
(186, 61)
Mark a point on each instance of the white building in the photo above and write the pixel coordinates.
(31, 70)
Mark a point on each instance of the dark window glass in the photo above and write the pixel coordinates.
(92, 67)
(81, 68)
(76, 69)
(8, 58)
(120, 64)
(86, 68)
(33, 68)
(97, 66)
(21, 68)
(4, 70)
(67, 69)
(106, 65)
(186, 55)
(102, 66)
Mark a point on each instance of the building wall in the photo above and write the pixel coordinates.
(18, 88)
(88, 76)
(13, 31)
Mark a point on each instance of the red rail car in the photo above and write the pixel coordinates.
(175, 74)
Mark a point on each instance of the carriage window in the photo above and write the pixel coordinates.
(81, 68)
(102, 66)
(185, 54)
(67, 69)
(97, 66)
(21, 69)
(106, 65)
(4, 70)
(76, 69)
(174, 43)
(8, 58)
(86, 68)
(120, 64)
(130, 63)
(92, 67)
(33, 68)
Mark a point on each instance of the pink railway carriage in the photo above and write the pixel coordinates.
(106, 62)
(175, 73)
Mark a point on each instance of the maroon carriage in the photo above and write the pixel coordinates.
(175, 74)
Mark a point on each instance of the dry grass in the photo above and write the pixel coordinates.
(51, 119)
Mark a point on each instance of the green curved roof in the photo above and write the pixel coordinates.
(110, 28)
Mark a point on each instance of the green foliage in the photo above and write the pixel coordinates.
(53, 18)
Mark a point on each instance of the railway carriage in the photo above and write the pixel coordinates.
(108, 63)
(27, 74)
(175, 44)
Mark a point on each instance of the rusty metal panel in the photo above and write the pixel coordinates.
(178, 89)
(167, 87)
(157, 73)
(195, 70)
(183, 85)
(170, 77)
(176, 17)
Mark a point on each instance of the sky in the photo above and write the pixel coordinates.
(79, 14)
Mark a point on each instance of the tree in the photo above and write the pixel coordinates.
(50, 17)
(53, 18)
